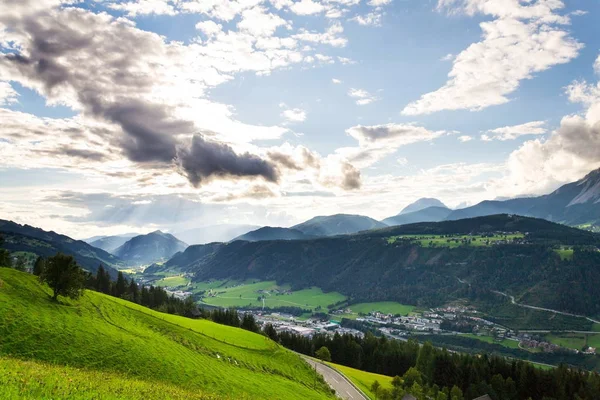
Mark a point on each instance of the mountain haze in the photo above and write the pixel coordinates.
(339, 224)
(273, 233)
(111, 243)
(146, 249)
(429, 214)
(421, 204)
(214, 233)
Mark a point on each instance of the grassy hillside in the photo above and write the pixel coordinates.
(363, 380)
(99, 333)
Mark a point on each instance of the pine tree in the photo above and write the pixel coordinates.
(134, 291)
(102, 280)
(64, 276)
(121, 285)
(38, 267)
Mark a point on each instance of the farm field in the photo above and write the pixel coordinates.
(574, 340)
(102, 334)
(363, 380)
(453, 241)
(513, 344)
(565, 253)
(247, 294)
(172, 281)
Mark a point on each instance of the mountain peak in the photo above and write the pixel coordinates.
(422, 204)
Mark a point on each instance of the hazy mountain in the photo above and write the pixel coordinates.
(429, 214)
(339, 224)
(111, 243)
(215, 233)
(43, 243)
(153, 247)
(272, 233)
(422, 204)
(576, 203)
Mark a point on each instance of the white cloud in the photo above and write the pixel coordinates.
(7, 94)
(258, 22)
(597, 66)
(223, 10)
(294, 115)
(369, 19)
(379, 3)
(324, 59)
(332, 36)
(336, 81)
(513, 132)
(209, 28)
(307, 7)
(402, 161)
(146, 7)
(362, 96)
(346, 61)
(465, 138)
(522, 41)
(447, 57)
(568, 154)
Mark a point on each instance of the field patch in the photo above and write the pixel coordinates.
(576, 341)
(454, 241)
(172, 281)
(385, 307)
(512, 344)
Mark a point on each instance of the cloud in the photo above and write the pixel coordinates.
(146, 7)
(378, 141)
(336, 81)
(256, 21)
(465, 138)
(294, 115)
(209, 28)
(307, 7)
(521, 41)
(513, 132)
(7, 94)
(448, 57)
(363, 97)
(597, 66)
(332, 36)
(369, 19)
(568, 154)
(203, 160)
(379, 3)
(402, 161)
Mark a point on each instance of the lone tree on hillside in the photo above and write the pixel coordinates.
(5, 260)
(323, 354)
(64, 276)
(38, 267)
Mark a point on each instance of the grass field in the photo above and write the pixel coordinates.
(456, 240)
(565, 253)
(386, 307)
(172, 281)
(363, 380)
(102, 334)
(574, 340)
(513, 344)
(246, 294)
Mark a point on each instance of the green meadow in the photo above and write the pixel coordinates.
(565, 253)
(513, 344)
(574, 340)
(99, 334)
(172, 281)
(386, 307)
(247, 294)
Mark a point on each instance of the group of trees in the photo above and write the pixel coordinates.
(428, 372)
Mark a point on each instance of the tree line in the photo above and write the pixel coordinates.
(430, 373)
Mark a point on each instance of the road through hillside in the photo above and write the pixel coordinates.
(343, 388)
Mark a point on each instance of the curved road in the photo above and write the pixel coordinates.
(343, 388)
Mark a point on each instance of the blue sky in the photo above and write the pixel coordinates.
(273, 111)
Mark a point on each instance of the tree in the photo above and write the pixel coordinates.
(134, 291)
(375, 388)
(425, 361)
(20, 264)
(121, 285)
(102, 280)
(249, 323)
(5, 260)
(323, 354)
(38, 267)
(411, 376)
(64, 276)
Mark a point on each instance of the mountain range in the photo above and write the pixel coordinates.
(110, 243)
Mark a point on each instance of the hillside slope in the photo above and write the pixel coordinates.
(109, 335)
(146, 249)
(110, 243)
(43, 243)
(429, 214)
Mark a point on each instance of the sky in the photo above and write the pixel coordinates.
(135, 115)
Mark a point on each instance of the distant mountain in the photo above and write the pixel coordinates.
(576, 204)
(422, 204)
(271, 233)
(153, 247)
(111, 243)
(339, 224)
(42, 243)
(186, 260)
(429, 214)
(214, 233)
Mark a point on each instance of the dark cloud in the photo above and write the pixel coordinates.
(351, 177)
(204, 159)
(107, 65)
(284, 160)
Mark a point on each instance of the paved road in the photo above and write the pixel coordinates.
(343, 388)
(512, 300)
